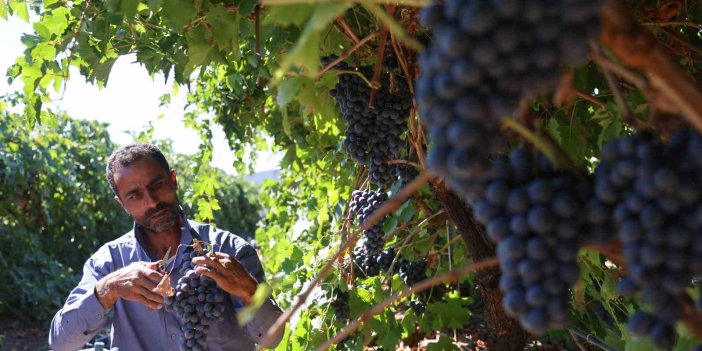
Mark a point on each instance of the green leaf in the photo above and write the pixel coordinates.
(288, 90)
(247, 6)
(289, 15)
(3, 10)
(444, 344)
(225, 28)
(177, 13)
(246, 314)
(45, 51)
(305, 53)
(20, 8)
(102, 70)
(199, 49)
(129, 9)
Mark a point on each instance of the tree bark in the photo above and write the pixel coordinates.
(506, 334)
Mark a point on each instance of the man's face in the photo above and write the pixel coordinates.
(148, 193)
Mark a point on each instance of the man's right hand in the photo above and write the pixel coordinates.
(135, 282)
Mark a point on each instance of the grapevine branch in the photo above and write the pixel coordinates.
(590, 98)
(347, 30)
(638, 48)
(454, 275)
(378, 67)
(623, 106)
(388, 206)
(348, 52)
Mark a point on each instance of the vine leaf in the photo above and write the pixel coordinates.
(246, 314)
(225, 29)
(177, 13)
(305, 53)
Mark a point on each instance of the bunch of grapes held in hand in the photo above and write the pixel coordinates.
(198, 302)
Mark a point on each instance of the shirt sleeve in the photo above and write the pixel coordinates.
(82, 316)
(270, 311)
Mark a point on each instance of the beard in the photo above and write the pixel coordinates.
(168, 214)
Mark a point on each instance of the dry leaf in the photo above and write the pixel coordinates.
(669, 10)
(164, 286)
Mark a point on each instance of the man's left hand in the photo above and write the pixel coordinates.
(229, 274)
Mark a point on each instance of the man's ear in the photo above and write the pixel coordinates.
(174, 178)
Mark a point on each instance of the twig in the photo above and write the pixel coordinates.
(404, 162)
(575, 340)
(627, 115)
(621, 71)
(421, 286)
(378, 67)
(638, 48)
(348, 53)
(590, 339)
(347, 30)
(673, 23)
(388, 206)
(590, 98)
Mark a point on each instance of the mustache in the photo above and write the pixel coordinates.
(160, 207)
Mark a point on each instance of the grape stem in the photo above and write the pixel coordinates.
(543, 143)
(388, 206)
(452, 276)
(638, 48)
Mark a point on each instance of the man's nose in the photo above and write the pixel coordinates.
(150, 198)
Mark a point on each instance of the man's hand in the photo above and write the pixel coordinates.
(229, 274)
(135, 282)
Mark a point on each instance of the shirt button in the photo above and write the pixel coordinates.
(172, 336)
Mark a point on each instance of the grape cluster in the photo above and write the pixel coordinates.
(652, 191)
(340, 305)
(366, 254)
(485, 57)
(198, 302)
(363, 203)
(412, 272)
(532, 213)
(374, 134)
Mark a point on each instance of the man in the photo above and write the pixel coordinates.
(122, 274)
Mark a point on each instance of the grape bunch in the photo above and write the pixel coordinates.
(363, 203)
(374, 134)
(652, 190)
(340, 305)
(485, 57)
(366, 254)
(412, 272)
(198, 302)
(532, 213)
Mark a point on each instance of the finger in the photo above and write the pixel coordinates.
(153, 299)
(152, 275)
(146, 283)
(209, 261)
(219, 254)
(208, 272)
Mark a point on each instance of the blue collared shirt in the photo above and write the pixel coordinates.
(135, 327)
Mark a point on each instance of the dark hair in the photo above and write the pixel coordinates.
(130, 153)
